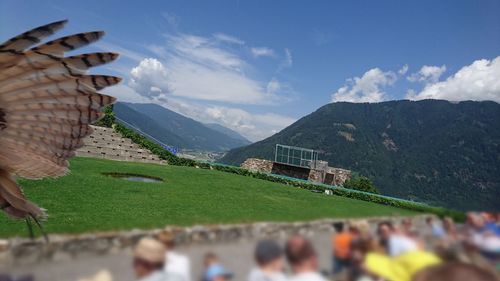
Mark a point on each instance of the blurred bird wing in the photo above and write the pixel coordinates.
(48, 101)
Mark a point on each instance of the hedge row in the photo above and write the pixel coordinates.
(153, 147)
(340, 191)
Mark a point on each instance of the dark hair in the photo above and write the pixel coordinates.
(455, 271)
(387, 223)
(338, 226)
(267, 251)
(298, 249)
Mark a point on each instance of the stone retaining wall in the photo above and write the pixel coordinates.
(258, 165)
(321, 174)
(63, 247)
(108, 144)
(340, 176)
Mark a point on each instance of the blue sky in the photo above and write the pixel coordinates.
(257, 66)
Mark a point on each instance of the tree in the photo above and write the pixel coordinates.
(361, 183)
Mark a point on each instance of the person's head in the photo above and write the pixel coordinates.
(385, 229)
(407, 223)
(210, 259)
(429, 220)
(362, 228)
(269, 256)
(339, 227)
(149, 256)
(488, 217)
(448, 224)
(301, 254)
(353, 230)
(167, 238)
(475, 220)
(455, 271)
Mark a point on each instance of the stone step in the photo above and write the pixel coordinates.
(122, 158)
(107, 138)
(117, 144)
(118, 156)
(112, 146)
(106, 143)
(105, 151)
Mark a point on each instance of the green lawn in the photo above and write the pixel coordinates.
(86, 200)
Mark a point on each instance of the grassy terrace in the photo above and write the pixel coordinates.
(86, 200)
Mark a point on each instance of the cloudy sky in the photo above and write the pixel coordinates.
(258, 66)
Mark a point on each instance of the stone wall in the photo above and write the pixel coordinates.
(18, 251)
(258, 165)
(322, 174)
(316, 176)
(108, 144)
(340, 175)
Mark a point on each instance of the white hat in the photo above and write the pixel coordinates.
(150, 250)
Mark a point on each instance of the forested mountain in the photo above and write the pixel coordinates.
(434, 151)
(174, 129)
(231, 133)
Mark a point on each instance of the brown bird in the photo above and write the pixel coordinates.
(47, 102)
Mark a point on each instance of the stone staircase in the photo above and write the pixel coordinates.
(107, 144)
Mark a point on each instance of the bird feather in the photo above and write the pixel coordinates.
(47, 102)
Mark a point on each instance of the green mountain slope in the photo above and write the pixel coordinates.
(231, 133)
(147, 124)
(175, 129)
(434, 151)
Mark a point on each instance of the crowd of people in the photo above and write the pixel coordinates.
(441, 250)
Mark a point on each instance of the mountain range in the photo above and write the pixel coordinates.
(177, 130)
(433, 151)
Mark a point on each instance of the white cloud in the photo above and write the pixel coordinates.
(367, 88)
(428, 73)
(171, 18)
(202, 78)
(204, 52)
(478, 81)
(200, 68)
(262, 52)
(288, 58)
(275, 87)
(150, 78)
(228, 39)
(124, 93)
(403, 70)
(253, 126)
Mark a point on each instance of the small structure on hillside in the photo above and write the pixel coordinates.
(300, 163)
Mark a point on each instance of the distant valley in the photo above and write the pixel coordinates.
(177, 130)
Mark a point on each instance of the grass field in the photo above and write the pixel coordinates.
(86, 200)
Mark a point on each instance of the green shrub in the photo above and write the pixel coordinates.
(109, 118)
(361, 183)
(153, 147)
